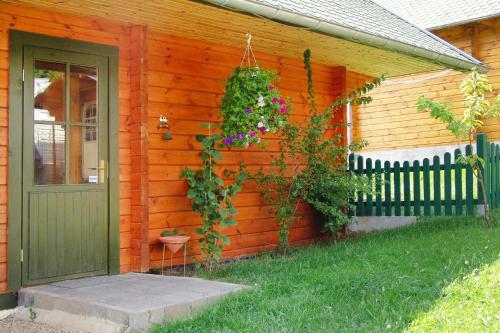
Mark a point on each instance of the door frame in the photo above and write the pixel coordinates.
(18, 40)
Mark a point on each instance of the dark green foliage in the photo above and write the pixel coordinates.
(276, 186)
(212, 199)
(246, 118)
(324, 182)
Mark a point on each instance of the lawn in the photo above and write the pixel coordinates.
(440, 275)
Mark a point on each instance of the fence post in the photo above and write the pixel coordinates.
(482, 152)
(469, 184)
(427, 188)
(369, 197)
(397, 189)
(406, 188)
(387, 181)
(493, 175)
(378, 187)
(359, 208)
(497, 158)
(416, 188)
(351, 171)
(447, 184)
(436, 170)
(458, 184)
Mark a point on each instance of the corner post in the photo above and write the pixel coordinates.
(139, 148)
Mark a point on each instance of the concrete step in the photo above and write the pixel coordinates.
(119, 303)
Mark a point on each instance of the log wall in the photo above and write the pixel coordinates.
(392, 121)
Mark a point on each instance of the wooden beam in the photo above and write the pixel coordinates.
(139, 148)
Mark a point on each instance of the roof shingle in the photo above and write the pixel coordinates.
(434, 14)
(371, 18)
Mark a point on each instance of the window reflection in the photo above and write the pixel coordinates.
(83, 157)
(83, 85)
(49, 91)
(49, 154)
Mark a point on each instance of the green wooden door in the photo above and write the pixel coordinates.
(65, 222)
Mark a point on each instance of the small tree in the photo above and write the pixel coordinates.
(477, 108)
(211, 198)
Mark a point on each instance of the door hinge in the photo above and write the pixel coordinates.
(23, 75)
(22, 255)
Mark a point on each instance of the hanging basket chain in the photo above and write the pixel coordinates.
(249, 55)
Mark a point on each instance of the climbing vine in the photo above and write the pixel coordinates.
(319, 175)
(212, 199)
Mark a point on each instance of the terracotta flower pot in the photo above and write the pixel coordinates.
(174, 242)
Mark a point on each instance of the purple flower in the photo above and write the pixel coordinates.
(271, 87)
(282, 101)
(275, 100)
(249, 110)
(242, 136)
(228, 141)
(252, 134)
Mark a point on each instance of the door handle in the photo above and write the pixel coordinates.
(102, 171)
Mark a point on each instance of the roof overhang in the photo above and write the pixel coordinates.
(350, 34)
(274, 32)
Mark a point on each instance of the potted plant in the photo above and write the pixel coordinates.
(174, 240)
(252, 107)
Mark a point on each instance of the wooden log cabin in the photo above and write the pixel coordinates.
(412, 135)
(87, 182)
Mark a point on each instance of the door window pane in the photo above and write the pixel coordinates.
(49, 154)
(83, 87)
(83, 155)
(49, 90)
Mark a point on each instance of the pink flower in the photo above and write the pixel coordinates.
(252, 134)
(275, 100)
(250, 145)
(271, 87)
(282, 101)
(283, 108)
(262, 129)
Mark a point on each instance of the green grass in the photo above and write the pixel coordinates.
(440, 275)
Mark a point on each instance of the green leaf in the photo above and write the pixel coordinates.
(200, 137)
(230, 221)
(192, 194)
(219, 181)
(216, 155)
(225, 239)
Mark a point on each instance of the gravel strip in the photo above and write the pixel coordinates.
(11, 325)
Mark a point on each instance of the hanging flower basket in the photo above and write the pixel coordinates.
(252, 107)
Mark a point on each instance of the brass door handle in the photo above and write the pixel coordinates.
(102, 171)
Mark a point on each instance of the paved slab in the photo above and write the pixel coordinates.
(119, 303)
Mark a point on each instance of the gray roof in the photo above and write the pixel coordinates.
(363, 21)
(435, 14)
